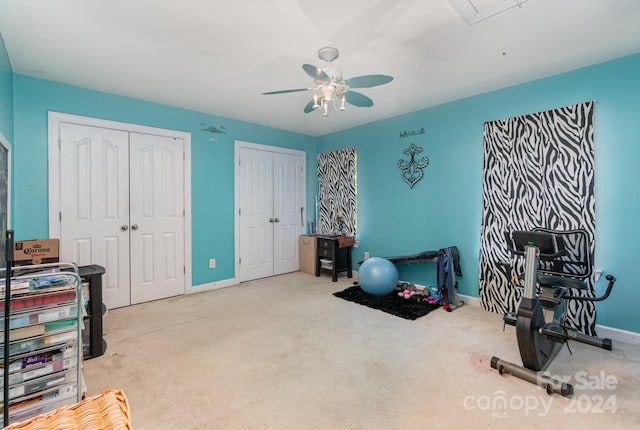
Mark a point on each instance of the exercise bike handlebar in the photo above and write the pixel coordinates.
(610, 278)
(542, 256)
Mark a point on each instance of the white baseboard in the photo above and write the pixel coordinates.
(615, 334)
(471, 301)
(618, 335)
(212, 286)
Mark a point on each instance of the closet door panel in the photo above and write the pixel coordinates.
(288, 210)
(94, 165)
(256, 220)
(157, 217)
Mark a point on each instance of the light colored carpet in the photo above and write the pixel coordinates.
(283, 353)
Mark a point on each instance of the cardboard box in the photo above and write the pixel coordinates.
(27, 252)
(308, 254)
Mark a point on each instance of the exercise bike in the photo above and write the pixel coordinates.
(555, 262)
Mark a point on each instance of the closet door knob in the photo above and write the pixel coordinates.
(277, 220)
(124, 227)
(134, 227)
(270, 219)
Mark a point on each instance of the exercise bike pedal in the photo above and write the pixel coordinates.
(510, 318)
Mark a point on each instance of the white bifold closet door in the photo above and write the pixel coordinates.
(270, 213)
(123, 208)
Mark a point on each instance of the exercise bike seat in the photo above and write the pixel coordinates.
(561, 281)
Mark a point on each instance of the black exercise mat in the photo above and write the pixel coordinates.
(393, 304)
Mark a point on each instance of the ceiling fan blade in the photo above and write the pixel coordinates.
(295, 90)
(357, 99)
(309, 107)
(368, 81)
(316, 73)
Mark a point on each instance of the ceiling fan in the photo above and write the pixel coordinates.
(329, 85)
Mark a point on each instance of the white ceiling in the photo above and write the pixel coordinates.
(218, 56)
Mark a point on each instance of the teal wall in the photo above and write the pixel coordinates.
(212, 163)
(444, 208)
(6, 94)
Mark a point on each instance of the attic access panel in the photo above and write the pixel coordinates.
(473, 11)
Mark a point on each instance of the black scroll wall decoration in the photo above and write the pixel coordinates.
(411, 170)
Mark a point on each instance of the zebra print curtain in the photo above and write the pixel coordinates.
(337, 191)
(538, 172)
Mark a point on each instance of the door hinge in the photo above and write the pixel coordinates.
(59, 144)
(184, 214)
(240, 261)
(240, 211)
(184, 269)
(60, 216)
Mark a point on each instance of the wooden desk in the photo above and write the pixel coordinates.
(334, 254)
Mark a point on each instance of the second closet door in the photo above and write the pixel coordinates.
(270, 212)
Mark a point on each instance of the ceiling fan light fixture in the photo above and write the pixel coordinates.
(325, 95)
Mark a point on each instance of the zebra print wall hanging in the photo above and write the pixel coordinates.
(337, 192)
(538, 172)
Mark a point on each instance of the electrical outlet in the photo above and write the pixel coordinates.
(366, 255)
(212, 263)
